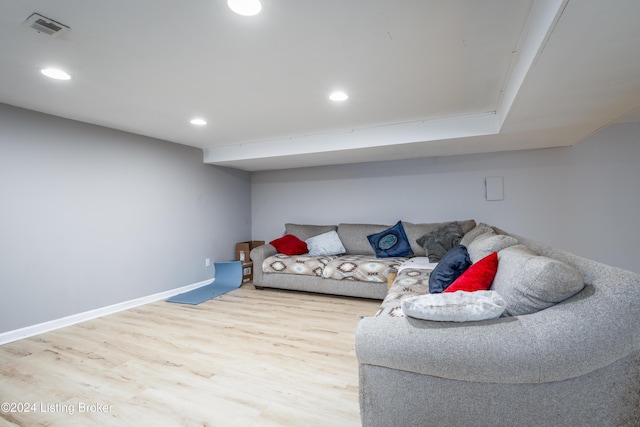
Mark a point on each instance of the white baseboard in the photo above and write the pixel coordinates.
(40, 328)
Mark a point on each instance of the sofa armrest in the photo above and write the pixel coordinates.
(596, 327)
(459, 351)
(258, 255)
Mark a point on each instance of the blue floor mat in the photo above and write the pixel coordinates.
(228, 278)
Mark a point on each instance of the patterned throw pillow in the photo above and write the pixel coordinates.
(289, 245)
(391, 242)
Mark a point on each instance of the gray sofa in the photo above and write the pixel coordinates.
(354, 239)
(576, 363)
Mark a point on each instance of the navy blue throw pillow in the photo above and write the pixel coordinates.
(450, 267)
(392, 242)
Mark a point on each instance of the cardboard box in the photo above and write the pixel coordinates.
(244, 248)
(247, 272)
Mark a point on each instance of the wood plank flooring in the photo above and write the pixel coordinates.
(247, 358)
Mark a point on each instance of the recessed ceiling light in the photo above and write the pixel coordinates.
(55, 73)
(245, 7)
(338, 96)
(198, 122)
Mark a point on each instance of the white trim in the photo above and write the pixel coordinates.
(542, 20)
(374, 136)
(40, 328)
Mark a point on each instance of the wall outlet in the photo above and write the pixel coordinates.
(207, 262)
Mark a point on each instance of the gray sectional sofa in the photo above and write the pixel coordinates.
(354, 239)
(576, 363)
(573, 363)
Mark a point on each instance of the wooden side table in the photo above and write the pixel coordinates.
(390, 278)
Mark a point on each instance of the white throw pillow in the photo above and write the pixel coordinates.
(328, 243)
(457, 306)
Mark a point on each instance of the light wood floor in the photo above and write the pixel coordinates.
(247, 358)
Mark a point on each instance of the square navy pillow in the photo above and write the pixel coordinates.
(391, 242)
(451, 266)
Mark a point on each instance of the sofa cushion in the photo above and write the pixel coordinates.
(354, 237)
(364, 268)
(475, 232)
(488, 243)
(437, 242)
(467, 225)
(325, 244)
(408, 282)
(289, 245)
(303, 231)
(391, 242)
(529, 282)
(450, 267)
(296, 264)
(455, 307)
(478, 277)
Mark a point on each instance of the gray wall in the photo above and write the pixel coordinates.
(583, 198)
(91, 217)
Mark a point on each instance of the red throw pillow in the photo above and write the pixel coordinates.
(290, 245)
(478, 277)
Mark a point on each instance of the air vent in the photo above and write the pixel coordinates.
(44, 25)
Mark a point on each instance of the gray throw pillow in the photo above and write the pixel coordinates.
(438, 242)
(529, 282)
(488, 243)
(478, 230)
(325, 244)
(415, 231)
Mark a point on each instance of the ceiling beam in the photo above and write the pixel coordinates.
(375, 136)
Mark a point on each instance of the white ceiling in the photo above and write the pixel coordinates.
(425, 77)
